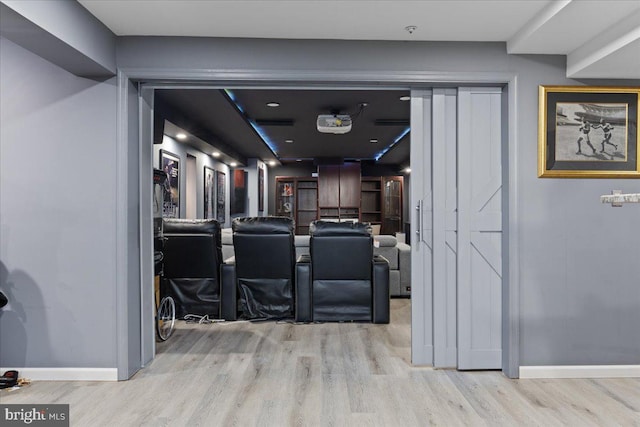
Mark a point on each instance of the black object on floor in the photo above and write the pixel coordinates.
(9, 379)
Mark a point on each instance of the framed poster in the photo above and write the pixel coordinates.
(209, 193)
(220, 197)
(170, 164)
(238, 192)
(588, 132)
(260, 189)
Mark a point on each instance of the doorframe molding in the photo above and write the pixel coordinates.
(320, 78)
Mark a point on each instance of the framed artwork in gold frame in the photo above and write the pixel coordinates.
(588, 132)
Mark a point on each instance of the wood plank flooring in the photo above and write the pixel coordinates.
(279, 374)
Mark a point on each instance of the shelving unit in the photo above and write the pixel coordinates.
(285, 197)
(340, 194)
(371, 200)
(297, 198)
(307, 208)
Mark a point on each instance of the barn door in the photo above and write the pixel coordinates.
(444, 167)
(479, 257)
(421, 230)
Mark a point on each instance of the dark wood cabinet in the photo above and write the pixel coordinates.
(339, 191)
(350, 185)
(329, 186)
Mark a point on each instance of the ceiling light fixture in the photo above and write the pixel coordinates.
(272, 162)
(407, 170)
(233, 164)
(216, 154)
(405, 98)
(298, 160)
(289, 141)
(373, 141)
(273, 104)
(181, 136)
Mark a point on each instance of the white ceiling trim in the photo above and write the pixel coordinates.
(622, 40)
(518, 43)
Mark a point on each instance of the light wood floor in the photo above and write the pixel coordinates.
(268, 374)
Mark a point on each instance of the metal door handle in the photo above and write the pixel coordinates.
(419, 221)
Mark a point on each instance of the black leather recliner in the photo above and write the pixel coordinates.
(192, 257)
(258, 281)
(341, 280)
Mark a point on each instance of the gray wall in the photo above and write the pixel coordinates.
(580, 299)
(57, 215)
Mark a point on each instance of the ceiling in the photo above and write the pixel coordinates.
(601, 38)
(240, 125)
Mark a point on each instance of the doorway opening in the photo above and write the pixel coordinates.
(278, 145)
(509, 299)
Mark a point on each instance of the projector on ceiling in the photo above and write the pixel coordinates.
(334, 123)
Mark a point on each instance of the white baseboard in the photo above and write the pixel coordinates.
(580, 371)
(66, 374)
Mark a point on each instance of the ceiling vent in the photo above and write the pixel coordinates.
(334, 123)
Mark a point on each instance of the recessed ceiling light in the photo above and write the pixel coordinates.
(298, 160)
(272, 162)
(373, 141)
(273, 104)
(407, 170)
(233, 164)
(181, 136)
(216, 154)
(405, 98)
(289, 141)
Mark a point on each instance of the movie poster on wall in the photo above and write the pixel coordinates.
(220, 197)
(261, 189)
(170, 164)
(209, 192)
(238, 192)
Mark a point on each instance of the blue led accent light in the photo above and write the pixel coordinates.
(402, 135)
(253, 124)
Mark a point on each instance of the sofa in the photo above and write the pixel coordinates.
(397, 253)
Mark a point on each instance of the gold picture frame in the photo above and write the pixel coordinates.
(588, 132)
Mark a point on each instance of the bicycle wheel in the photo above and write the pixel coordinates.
(165, 318)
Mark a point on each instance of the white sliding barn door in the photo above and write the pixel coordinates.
(445, 183)
(421, 230)
(456, 197)
(479, 253)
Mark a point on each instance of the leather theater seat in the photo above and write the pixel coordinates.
(192, 258)
(258, 282)
(341, 279)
